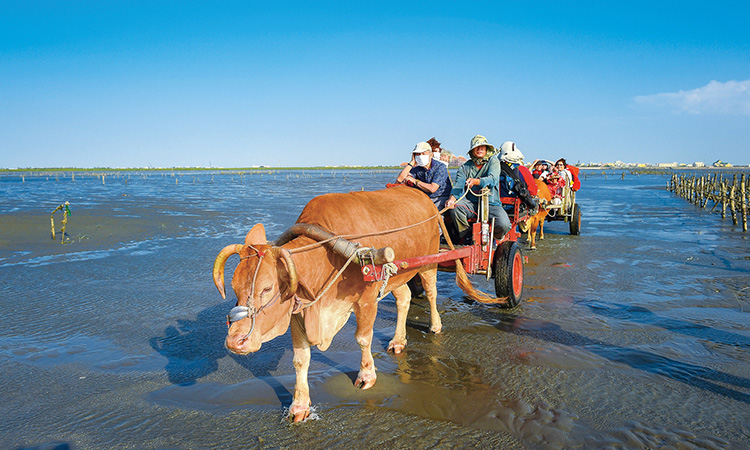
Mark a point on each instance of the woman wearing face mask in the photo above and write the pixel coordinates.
(423, 173)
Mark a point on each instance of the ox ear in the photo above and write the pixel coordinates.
(256, 235)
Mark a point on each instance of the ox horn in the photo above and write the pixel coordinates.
(286, 256)
(219, 262)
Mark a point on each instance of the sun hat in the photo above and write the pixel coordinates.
(478, 140)
(510, 153)
(422, 147)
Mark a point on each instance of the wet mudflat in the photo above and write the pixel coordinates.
(633, 335)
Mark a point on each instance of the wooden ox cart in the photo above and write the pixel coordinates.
(565, 207)
(500, 259)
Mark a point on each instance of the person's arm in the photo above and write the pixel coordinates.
(439, 178)
(493, 174)
(427, 187)
(406, 171)
(458, 187)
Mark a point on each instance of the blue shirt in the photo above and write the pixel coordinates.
(438, 174)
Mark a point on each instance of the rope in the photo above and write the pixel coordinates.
(336, 277)
(379, 233)
(388, 270)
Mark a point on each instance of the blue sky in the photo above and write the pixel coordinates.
(241, 83)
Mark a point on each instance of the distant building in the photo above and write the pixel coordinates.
(456, 161)
(720, 163)
(699, 164)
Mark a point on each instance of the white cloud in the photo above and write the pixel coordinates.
(732, 97)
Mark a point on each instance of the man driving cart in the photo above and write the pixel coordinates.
(481, 171)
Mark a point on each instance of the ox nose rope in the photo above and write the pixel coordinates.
(240, 312)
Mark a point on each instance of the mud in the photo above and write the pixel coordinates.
(634, 334)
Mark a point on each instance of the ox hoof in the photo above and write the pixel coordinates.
(299, 413)
(301, 416)
(365, 380)
(437, 329)
(396, 347)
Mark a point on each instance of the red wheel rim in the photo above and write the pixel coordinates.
(517, 274)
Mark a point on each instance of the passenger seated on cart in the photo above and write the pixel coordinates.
(427, 175)
(481, 171)
(562, 168)
(557, 180)
(512, 183)
(540, 169)
(437, 151)
(571, 172)
(510, 154)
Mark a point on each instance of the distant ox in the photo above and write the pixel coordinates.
(277, 283)
(544, 197)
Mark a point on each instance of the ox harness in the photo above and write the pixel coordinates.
(241, 312)
(363, 254)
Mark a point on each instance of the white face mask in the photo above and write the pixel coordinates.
(422, 160)
(436, 155)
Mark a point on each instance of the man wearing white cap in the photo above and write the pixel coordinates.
(426, 175)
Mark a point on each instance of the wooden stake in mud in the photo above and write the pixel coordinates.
(731, 200)
(743, 199)
(66, 213)
(732, 194)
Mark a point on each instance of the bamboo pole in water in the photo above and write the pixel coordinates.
(699, 190)
(731, 200)
(744, 202)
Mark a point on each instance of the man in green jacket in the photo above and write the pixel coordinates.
(480, 171)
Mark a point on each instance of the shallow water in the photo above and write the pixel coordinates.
(633, 335)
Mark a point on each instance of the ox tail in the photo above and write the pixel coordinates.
(463, 281)
(462, 278)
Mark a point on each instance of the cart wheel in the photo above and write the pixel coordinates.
(415, 285)
(575, 220)
(508, 270)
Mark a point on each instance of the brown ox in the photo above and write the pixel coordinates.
(278, 284)
(544, 197)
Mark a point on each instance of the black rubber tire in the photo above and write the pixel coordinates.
(575, 220)
(508, 269)
(415, 285)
